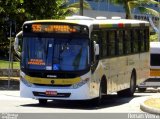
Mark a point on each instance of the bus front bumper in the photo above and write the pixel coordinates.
(59, 93)
(150, 82)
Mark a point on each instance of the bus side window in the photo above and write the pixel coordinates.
(95, 36)
(120, 42)
(135, 44)
(132, 41)
(154, 59)
(116, 43)
(141, 38)
(104, 44)
(127, 41)
(146, 39)
(107, 41)
(111, 43)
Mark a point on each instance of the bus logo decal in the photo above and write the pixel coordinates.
(56, 67)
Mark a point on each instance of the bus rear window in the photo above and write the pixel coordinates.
(155, 60)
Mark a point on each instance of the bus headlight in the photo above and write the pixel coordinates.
(81, 83)
(26, 82)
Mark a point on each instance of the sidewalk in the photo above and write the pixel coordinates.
(151, 105)
(12, 78)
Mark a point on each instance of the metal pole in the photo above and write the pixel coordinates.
(81, 7)
(9, 69)
(159, 25)
(159, 29)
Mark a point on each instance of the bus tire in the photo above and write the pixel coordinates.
(142, 89)
(130, 91)
(42, 101)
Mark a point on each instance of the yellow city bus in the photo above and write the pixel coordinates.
(82, 58)
(154, 79)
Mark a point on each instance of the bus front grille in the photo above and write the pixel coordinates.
(52, 85)
(43, 94)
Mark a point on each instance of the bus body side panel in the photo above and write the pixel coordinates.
(117, 73)
(118, 70)
(144, 71)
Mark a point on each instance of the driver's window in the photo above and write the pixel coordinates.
(94, 37)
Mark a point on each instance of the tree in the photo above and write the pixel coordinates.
(23, 10)
(9, 11)
(67, 9)
(82, 4)
(50, 9)
(81, 7)
(141, 5)
(19, 11)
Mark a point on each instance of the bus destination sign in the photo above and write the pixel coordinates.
(54, 28)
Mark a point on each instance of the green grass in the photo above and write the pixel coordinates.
(5, 65)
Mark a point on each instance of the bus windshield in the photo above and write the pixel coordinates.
(58, 54)
(155, 58)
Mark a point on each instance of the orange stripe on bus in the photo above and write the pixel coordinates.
(154, 72)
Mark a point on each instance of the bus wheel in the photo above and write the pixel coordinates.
(141, 89)
(42, 101)
(130, 91)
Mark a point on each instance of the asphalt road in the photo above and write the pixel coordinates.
(11, 102)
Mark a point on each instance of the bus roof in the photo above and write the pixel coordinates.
(98, 23)
(155, 47)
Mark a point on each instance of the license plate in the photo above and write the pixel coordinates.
(51, 93)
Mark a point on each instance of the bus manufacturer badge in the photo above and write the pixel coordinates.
(51, 76)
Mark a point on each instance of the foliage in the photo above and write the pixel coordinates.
(51, 9)
(154, 37)
(19, 11)
(9, 11)
(44, 9)
(141, 5)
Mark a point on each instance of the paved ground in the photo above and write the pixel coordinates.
(111, 104)
(11, 102)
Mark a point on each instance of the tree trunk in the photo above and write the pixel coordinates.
(127, 9)
(81, 7)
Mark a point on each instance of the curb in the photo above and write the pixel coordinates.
(14, 84)
(11, 78)
(149, 109)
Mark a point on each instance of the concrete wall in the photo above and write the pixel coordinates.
(5, 72)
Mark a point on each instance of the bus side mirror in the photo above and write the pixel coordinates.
(96, 48)
(16, 44)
